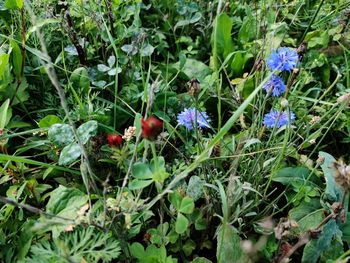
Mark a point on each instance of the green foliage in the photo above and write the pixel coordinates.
(84, 244)
(76, 75)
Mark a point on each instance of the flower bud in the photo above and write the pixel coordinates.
(151, 127)
(284, 103)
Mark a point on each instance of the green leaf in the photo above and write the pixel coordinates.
(345, 228)
(193, 68)
(137, 250)
(5, 114)
(305, 209)
(147, 50)
(247, 31)
(141, 171)
(4, 60)
(333, 192)
(314, 247)
(228, 245)
(16, 58)
(188, 247)
(61, 134)
(139, 184)
(87, 130)
(181, 224)
(69, 154)
(311, 220)
(66, 202)
(238, 62)
(222, 35)
(290, 175)
(195, 187)
(175, 199)
(187, 205)
(201, 260)
(48, 121)
(80, 79)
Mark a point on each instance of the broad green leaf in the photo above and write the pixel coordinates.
(61, 134)
(333, 192)
(16, 58)
(311, 220)
(87, 130)
(188, 247)
(147, 50)
(25, 239)
(137, 250)
(305, 209)
(193, 69)
(187, 205)
(65, 202)
(175, 199)
(139, 184)
(247, 31)
(80, 79)
(184, 22)
(5, 113)
(4, 60)
(238, 62)
(195, 187)
(290, 175)
(314, 247)
(181, 224)
(141, 171)
(64, 199)
(222, 35)
(69, 154)
(48, 121)
(228, 245)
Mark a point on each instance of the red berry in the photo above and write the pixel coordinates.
(151, 127)
(114, 140)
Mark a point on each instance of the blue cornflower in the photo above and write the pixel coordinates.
(275, 85)
(274, 117)
(283, 59)
(187, 118)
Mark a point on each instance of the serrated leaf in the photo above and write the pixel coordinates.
(333, 192)
(61, 134)
(181, 224)
(314, 247)
(187, 205)
(87, 130)
(69, 154)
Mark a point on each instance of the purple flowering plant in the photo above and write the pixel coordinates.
(275, 85)
(187, 118)
(283, 59)
(278, 119)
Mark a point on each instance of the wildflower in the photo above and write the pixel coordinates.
(187, 118)
(275, 85)
(129, 133)
(284, 59)
(151, 127)
(277, 118)
(114, 140)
